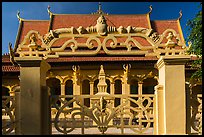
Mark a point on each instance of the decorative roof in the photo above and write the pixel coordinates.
(85, 37)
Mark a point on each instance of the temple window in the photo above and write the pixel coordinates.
(108, 85)
(95, 86)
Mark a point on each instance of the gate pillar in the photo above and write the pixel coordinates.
(171, 110)
(34, 108)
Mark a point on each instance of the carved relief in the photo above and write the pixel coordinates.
(170, 43)
(101, 26)
(109, 44)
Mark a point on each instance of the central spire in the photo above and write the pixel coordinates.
(99, 8)
(99, 11)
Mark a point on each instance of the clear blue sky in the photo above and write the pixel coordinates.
(38, 11)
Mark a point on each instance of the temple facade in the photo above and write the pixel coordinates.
(105, 55)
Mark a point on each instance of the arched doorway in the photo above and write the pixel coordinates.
(69, 90)
(118, 90)
(148, 86)
(86, 91)
(55, 89)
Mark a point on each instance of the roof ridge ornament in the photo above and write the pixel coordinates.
(150, 11)
(18, 16)
(99, 11)
(48, 10)
(180, 15)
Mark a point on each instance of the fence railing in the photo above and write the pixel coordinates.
(196, 114)
(133, 115)
(8, 117)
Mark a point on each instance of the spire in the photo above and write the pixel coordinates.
(99, 8)
(180, 15)
(99, 11)
(102, 86)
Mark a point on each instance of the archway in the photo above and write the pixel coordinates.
(69, 90)
(86, 91)
(55, 89)
(118, 90)
(148, 86)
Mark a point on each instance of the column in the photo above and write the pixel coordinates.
(140, 87)
(112, 88)
(126, 92)
(62, 88)
(91, 83)
(34, 108)
(172, 115)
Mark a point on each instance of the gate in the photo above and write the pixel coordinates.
(134, 114)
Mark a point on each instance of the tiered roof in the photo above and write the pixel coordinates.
(58, 21)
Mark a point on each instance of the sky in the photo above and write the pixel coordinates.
(38, 11)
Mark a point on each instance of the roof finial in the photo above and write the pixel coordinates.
(150, 7)
(99, 11)
(18, 16)
(99, 8)
(180, 15)
(48, 10)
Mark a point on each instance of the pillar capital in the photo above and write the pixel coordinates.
(172, 60)
(30, 61)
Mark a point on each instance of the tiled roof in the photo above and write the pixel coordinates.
(161, 25)
(40, 26)
(10, 69)
(85, 20)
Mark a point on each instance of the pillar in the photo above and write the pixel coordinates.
(125, 91)
(112, 88)
(91, 87)
(172, 115)
(140, 83)
(34, 108)
(62, 88)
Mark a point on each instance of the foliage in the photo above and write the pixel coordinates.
(195, 40)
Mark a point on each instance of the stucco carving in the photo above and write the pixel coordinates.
(109, 43)
(101, 26)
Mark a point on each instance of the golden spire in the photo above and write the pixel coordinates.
(180, 15)
(150, 11)
(102, 86)
(99, 11)
(99, 8)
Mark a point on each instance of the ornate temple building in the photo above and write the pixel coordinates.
(98, 52)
